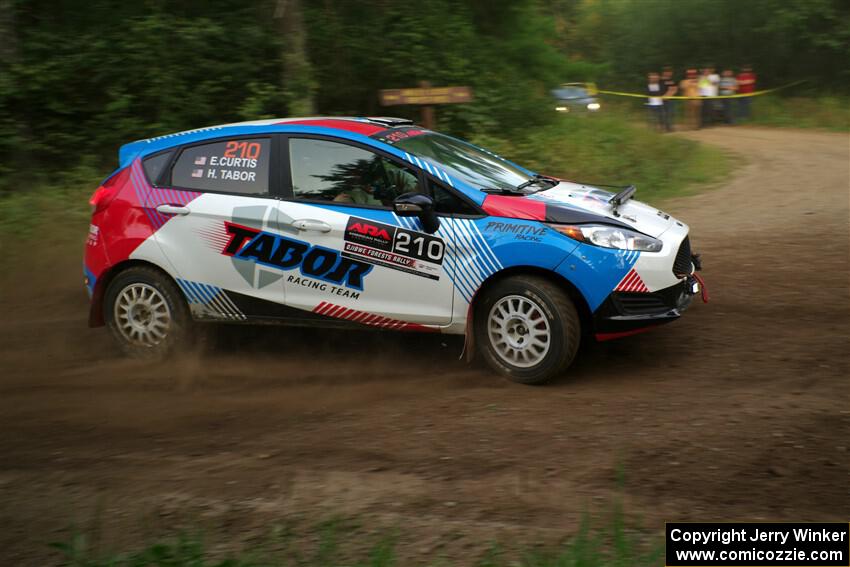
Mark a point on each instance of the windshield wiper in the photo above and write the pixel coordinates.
(538, 179)
(503, 191)
(520, 189)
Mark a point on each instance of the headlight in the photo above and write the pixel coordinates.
(562, 108)
(593, 106)
(609, 237)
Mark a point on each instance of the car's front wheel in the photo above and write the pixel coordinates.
(146, 314)
(527, 328)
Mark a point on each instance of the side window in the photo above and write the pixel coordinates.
(330, 171)
(154, 165)
(230, 166)
(447, 203)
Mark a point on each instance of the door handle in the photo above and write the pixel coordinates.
(172, 210)
(310, 224)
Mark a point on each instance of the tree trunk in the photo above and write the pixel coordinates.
(8, 37)
(297, 76)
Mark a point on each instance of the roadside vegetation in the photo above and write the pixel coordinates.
(343, 543)
(821, 112)
(80, 79)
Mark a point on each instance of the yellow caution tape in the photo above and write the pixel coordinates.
(592, 91)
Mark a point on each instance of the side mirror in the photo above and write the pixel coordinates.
(418, 205)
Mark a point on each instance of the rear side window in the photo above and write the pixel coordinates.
(154, 165)
(230, 166)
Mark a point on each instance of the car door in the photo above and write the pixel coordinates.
(215, 203)
(356, 258)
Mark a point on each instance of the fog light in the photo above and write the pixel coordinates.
(593, 106)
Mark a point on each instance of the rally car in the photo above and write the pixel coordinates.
(374, 223)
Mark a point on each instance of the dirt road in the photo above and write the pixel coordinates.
(738, 411)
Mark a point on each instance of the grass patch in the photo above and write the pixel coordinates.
(612, 150)
(826, 112)
(62, 203)
(330, 545)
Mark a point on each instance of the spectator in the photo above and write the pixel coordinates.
(655, 104)
(704, 87)
(670, 89)
(746, 85)
(714, 79)
(708, 83)
(728, 86)
(689, 87)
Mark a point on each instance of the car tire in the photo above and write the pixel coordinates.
(146, 313)
(527, 328)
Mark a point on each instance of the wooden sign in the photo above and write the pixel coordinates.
(426, 95)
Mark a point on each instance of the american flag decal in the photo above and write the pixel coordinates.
(364, 318)
(631, 282)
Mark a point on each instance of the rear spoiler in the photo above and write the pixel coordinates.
(128, 152)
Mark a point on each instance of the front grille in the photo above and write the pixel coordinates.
(682, 264)
(640, 303)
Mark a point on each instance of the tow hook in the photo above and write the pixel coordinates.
(696, 285)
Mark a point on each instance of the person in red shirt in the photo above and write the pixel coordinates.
(746, 85)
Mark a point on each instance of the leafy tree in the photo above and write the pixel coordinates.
(78, 79)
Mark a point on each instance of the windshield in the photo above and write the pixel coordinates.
(476, 167)
(570, 92)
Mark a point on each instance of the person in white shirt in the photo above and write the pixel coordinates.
(714, 81)
(708, 87)
(655, 104)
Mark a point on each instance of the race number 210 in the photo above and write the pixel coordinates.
(419, 246)
(250, 150)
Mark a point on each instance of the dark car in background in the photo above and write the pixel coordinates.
(575, 97)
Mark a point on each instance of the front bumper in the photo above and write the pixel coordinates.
(628, 313)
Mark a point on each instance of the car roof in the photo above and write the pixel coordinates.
(347, 125)
(361, 125)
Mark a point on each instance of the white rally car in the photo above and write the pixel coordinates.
(374, 222)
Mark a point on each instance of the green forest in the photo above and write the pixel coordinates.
(79, 79)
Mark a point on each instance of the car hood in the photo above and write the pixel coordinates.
(587, 100)
(566, 199)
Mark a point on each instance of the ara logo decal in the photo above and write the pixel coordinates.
(370, 233)
(369, 230)
(282, 253)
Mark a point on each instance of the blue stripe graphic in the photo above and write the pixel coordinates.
(212, 297)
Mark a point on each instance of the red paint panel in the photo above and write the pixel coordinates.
(632, 282)
(129, 219)
(515, 207)
(370, 319)
(349, 125)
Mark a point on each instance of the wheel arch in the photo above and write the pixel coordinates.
(583, 309)
(96, 318)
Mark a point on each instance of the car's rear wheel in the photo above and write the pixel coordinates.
(527, 328)
(146, 314)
